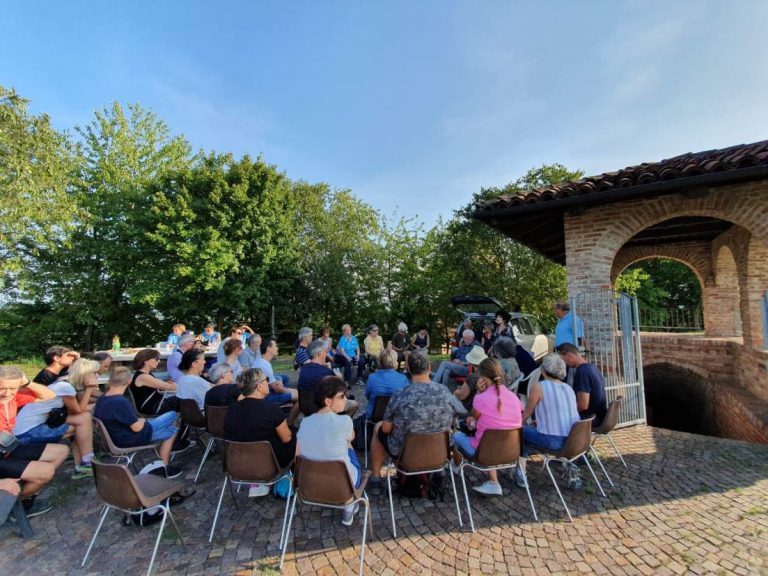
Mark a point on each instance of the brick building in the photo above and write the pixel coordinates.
(707, 210)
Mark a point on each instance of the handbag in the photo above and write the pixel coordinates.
(8, 442)
(57, 417)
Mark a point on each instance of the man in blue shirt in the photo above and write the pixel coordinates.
(348, 355)
(588, 383)
(457, 365)
(302, 356)
(385, 381)
(175, 335)
(209, 335)
(186, 342)
(564, 331)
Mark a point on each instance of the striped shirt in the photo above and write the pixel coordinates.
(556, 411)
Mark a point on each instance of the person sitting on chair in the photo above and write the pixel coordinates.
(327, 435)
(373, 345)
(315, 370)
(186, 342)
(494, 408)
(251, 352)
(504, 350)
(401, 342)
(588, 383)
(325, 338)
(210, 337)
(58, 359)
(223, 391)
(126, 429)
(420, 341)
(279, 391)
(348, 355)
(149, 393)
(232, 350)
(192, 386)
(385, 381)
(422, 408)
(253, 418)
(301, 356)
(457, 365)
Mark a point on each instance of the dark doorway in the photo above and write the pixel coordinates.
(677, 399)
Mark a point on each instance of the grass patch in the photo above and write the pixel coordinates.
(30, 366)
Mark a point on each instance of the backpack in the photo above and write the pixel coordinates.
(422, 485)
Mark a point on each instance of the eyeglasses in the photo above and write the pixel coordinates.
(341, 396)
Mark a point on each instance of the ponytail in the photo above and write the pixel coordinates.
(497, 383)
(491, 369)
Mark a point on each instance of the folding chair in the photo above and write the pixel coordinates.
(250, 463)
(214, 423)
(326, 483)
(422, 454)
(576, 446)
(498, 450)
(121, 490)
(126, 454)
(607, 426)
(378, 414)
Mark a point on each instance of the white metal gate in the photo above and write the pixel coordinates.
(612, 339)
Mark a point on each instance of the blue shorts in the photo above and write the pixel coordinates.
(461, 441)
(42, 434)
(163, 426)
(279, 398)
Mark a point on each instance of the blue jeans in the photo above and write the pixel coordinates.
(163, 426)
(448, 369)
(340, 360)
(286, 380)
(356, 463)
(461, 441)
(42, 434)
(532, 437)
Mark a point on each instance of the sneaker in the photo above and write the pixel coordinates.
(374, 486)
(182, 446)
(517, 475)
(173, 472)
(489, 488)
(82, 471)
(258, 490)
(348, 516)
(574, 477)
(35, 507)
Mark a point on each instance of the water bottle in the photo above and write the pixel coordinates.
(116, 344)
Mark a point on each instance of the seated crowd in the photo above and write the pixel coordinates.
(479, 389)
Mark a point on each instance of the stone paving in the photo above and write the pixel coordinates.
(686, 504)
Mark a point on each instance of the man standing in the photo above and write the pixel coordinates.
(457, 365)
(34, 464)
(422, 407)
(58, 359)
(570, 328)
(186, 342)
(588, 383)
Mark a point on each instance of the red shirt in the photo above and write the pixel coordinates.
(8, 411)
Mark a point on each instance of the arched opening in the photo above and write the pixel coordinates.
(678, 399)
(669, 294)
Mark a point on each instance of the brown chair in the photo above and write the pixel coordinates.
(422, 454)
(307, 404)
(126, 454)
(129, 395)
(498, 450)
(250, 463)
(214, 423)
(326, 483)
(379, 408)
(608, 424)
(121, 490)
(576, 446)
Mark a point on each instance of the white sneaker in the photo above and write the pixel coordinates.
(258, 490)
(489, 488)
(348, 516)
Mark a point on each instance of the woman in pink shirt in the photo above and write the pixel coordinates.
(494, 408)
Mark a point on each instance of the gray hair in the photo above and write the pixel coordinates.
(315, 347)
(554, 366)
(402, 327)
(186, 339)
(304, 332)
(504, 347)
(217, 371)
(11, 373)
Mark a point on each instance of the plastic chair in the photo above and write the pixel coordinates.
(498, 450)
(250, 463)
(191, 415)
(377, 416)
(214, 423)
(121, 490)
(608, 424)
(130, 396)
(126, 454)
(576, 446)
(422, 454)
(326, 483)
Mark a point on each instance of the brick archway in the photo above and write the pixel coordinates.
(694, 256)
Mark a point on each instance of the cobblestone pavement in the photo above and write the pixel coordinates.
(685, 504)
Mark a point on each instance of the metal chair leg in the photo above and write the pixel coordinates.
(616, 449)
(552, 477)
(175, 526)
(216, 516)
(391, 504)
(211, 440)
(288, 531)
(600, 462)
(93, 540)
(528, 490)
(466, 497)
(157, 540)
(285, 515)
(365, 527)
(584, 456)
(455, 495)
(365, 438)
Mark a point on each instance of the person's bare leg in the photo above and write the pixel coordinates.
(83, 443)
(164, 450)
(35, 476)
(493, 476)
(55, 454)
(378, 453)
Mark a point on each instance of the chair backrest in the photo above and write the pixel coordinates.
(323, 481)
(307, 404)
(579, 439)
(424, 451)
(250, 461)
(129, 395)
(115, 485)
(611, 417)
(380, 407)
(106, 437)
(190, 413)
(499, 447)
(214, 420)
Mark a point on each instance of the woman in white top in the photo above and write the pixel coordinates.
(554, 403)
(232, 350)
(327, 435)
(191, 385)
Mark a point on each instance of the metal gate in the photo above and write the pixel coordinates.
(611, 328)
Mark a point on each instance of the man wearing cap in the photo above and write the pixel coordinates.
(457, 365)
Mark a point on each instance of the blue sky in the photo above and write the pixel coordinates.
(412, 105)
